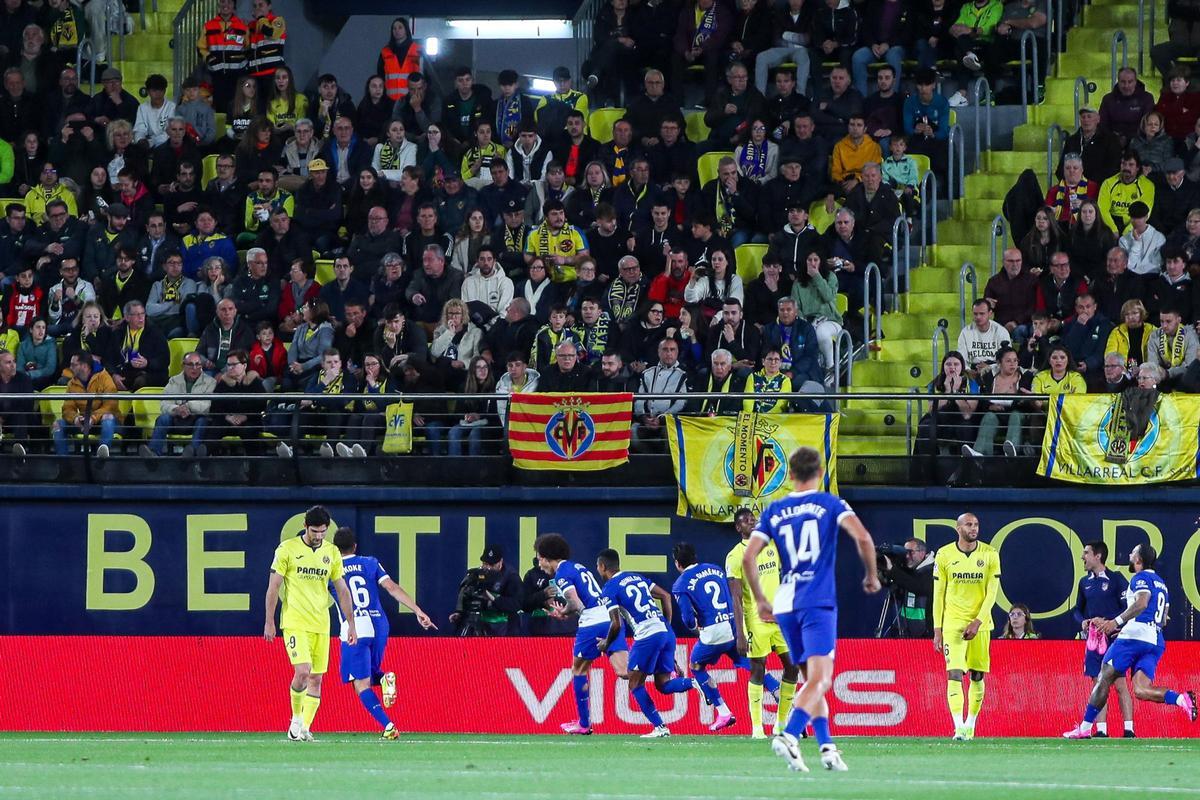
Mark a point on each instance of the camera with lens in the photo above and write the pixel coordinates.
(702, 272)
(884, 550)
(473, 591)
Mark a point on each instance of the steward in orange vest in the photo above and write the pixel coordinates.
(268, 34)
(398, 59)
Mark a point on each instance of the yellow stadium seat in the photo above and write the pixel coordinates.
(208, 169)
(325, 271)
(220, 125)
(922, 163)
(180, 348)
(749, 259)
(5, 202)
(601, 121)
(819, 218)
(706, 165)
(145, 412)
(51, 402)
(697, 131)
(843, 304)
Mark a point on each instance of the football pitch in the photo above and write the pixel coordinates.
(156, 765)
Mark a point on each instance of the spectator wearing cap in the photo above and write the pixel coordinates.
(198, 114)
(513, 108)
(552, 110)
(1099, 148)
(1122, 190)
(1174, 196)
(791, 188)
(105, 238)
(509, 237)
(1142, 242)
(1122, 109)
(112, 102)
(466, 106)
(503, 593)
(528, 155)
(150, 125)
(455, 201)
(318, 211)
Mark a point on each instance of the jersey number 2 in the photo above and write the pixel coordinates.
(807, 549)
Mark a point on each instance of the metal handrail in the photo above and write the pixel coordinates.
(966, 274)
(1088, 88)
(185, 31)
(956, 136)
(843, 335)
(1059, 32)
(1050, 29)
(582, 27)
(1117, 37)
(999, 234)
(939, 330)
(872, 269)
(908, 419)
(87, 47)
(977, 98)
(929, 205)
(1142, 48)
(1027, 36)
(1055, 136)
(900, 223)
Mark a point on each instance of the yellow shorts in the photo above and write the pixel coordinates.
(306, 647)
(966, 654)
(764, 638)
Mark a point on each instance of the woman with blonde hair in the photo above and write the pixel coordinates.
(456, 342)
(1133, 336)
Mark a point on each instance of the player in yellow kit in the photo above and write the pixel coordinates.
(755, 638)
(303, 569)
(966, 577)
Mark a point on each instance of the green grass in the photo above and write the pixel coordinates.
(600, 767)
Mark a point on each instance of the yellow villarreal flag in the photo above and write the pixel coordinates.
(724, 463)
(575, 431)
(1102, 439)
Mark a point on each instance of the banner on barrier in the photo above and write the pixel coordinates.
(523, 686)
(580, 431)
(1108, 439)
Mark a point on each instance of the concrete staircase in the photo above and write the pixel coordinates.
(149, 51)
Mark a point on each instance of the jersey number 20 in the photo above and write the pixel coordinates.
(806, 549)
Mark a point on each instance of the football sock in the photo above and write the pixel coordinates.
(711, 694)
(954, 696)
(309, 710)
(787, 690)
(1089, 717)
(796, 723)
(371, 703)
(1129, 725)
(974, 702)
(770, 683)
(677, 685)
(821, 731)
(754, 691)
(580, 684)
(647, 706)
(1102, 727)
(297, 702)
(1171, 698)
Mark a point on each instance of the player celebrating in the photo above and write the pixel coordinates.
(966, 577)
(1101, 594)
(581, 596)
(804, 527)
(756, 638)
(362, 662)
(301, 572)
(653, 653)
(1139, 645)
(704, 601)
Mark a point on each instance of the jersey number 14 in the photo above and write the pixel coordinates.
(805, 549)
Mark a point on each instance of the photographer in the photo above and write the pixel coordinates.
(911, 585)
(489, 597)
(539, 592)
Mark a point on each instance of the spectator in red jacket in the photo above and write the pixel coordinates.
(1179, 107)
(1071, 191)
(668, 287)
(268, 357)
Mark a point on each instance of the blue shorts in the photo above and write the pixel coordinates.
(704, 655)
(587, 647)
(809, 632)
(364, 659)
(1136, 655)
(1092, 661)
(653, 655)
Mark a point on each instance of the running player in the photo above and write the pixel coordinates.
(756, 638)
(1139, 645)
(362, 662)
(704, 601)
(1101, 593)
(301, 572)
(581, 596)
(653, 653)
(804, 527)
(966, 577)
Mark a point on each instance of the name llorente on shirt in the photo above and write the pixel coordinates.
(804, 509)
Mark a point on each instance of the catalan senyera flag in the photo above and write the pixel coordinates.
(724, 463)
(575, 431)
(1093, 438)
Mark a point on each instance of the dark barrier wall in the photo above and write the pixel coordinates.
(195, 562)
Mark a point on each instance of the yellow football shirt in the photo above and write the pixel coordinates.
(965, 585)
(768, 577)
(306, 575)
(567, 242)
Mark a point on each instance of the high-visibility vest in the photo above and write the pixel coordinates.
(225, 44)
(267, 37)
(395, 74)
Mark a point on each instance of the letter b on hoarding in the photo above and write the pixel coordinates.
(100, 561)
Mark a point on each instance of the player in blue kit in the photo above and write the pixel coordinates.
(804, 527)
(362, 662)
(702, 593)
(582, 597)
(1101, 593)
(1139, 645)
(653, 653)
